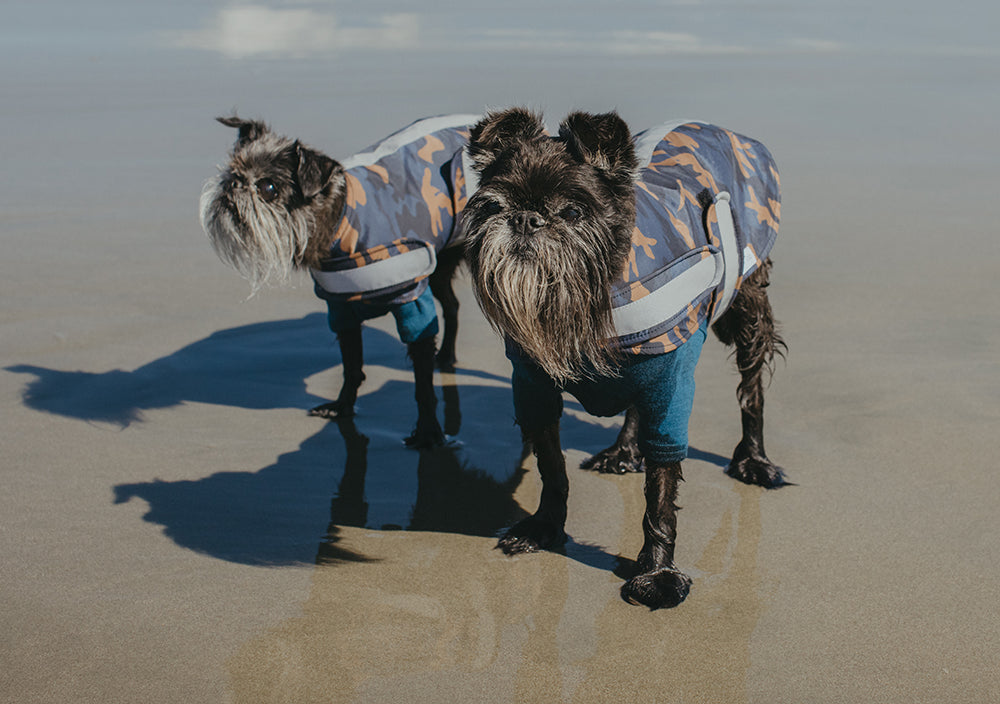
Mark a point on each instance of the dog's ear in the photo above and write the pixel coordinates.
(314, 170)
(604, 141)
(249, 130)
(499, 130)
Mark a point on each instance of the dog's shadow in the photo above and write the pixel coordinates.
(229, 367)
(279, 514)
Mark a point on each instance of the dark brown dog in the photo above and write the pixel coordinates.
(603, 259)
(375, 232)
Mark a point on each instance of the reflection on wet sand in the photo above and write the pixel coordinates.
(445, 617)
(451, 496)
(703, 647)
(431, 612)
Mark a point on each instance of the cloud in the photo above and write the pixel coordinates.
(242, 31)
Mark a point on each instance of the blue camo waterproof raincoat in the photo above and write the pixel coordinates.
(707, 210)
(401, 201)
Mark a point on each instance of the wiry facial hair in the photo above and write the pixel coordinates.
(553, 301)
(262, 241)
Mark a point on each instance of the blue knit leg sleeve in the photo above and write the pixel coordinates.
(666, 397)
(417, 319)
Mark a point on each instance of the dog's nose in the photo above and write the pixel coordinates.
(528, 222)
(230, 183)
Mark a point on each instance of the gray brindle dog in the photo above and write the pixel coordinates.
(376, 232)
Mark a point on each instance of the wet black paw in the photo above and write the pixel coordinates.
(660, 589)
(531, 535)
(617, 459)
(335, 410)
(445, 361)
(425, 435)
(756, 471)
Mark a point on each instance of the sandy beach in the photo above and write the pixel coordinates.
(175, 528)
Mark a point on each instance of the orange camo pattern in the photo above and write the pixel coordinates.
(647, 189)
(380, 171)
(436, 202)
(743, 153)
(406, 200)
(639, 241)
(347, 237)
(432, 145)
(692, 163)
(712, 224)
(681, 140)
(378, 254)
(354, 191)
(764, 212)
(682, 229)
(687, 197)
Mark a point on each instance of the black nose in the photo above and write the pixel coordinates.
(527, 222)
(230, 182)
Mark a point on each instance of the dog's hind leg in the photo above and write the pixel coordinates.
(659, 583)
(624, 455)
(749, 326)
(428, 432)
(545, 529)
(352, 356)
(441, 282)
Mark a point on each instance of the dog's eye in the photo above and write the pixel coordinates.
(267, 190)
(491, 208)
(571, 213)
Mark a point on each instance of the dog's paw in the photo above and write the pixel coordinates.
(425, 435)
(445, 361)
(531, 535)
(617, 459)
(335, 410)
(660, 589)
(760, 472)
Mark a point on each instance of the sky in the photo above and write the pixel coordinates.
(319, 28)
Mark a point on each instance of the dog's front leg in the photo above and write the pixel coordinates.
(352, 356)
(659, 583)
(428, 432)
(624, 455)
(545, 529)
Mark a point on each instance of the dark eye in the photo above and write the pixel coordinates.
(571, 213)
(491, 207)
(267, 190)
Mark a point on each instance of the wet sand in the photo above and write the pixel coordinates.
(174, 528)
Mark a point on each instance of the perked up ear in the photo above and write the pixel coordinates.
(603, 141)
(314, 171)
(499, 131)
(249, 129)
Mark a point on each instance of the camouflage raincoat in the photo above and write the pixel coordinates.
(707, 211)
(402, 197)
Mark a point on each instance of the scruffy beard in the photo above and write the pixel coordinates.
(263, 242)
(554, 302)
